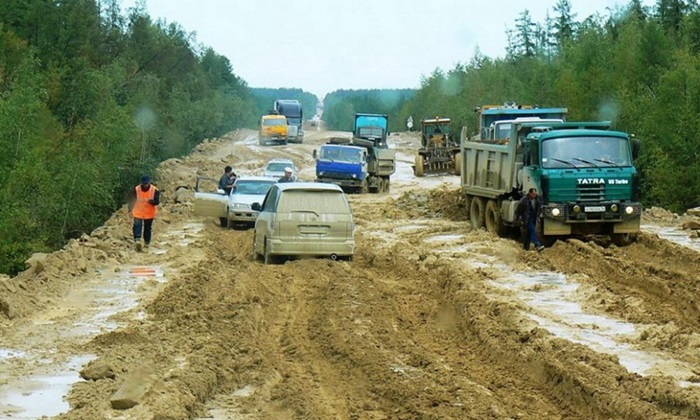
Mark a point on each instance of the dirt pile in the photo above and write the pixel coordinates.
(443, 202)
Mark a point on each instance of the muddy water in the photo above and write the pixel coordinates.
(554, 305)
(41, 364)
(42, 390)
(555, 302)
(675, 235)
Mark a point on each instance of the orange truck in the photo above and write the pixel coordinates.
(273, 130)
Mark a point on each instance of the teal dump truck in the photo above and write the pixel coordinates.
(584, 172)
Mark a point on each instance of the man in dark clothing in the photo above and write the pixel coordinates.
(288, 175)
(227, 180)
(143, 208)
(528, 211)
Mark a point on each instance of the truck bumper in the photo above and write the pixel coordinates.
(349, 183)
(273, 140)
(592, 218)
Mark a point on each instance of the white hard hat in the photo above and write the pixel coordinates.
(288, 169)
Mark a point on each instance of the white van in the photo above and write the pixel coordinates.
(304, 219)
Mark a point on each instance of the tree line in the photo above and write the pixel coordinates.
(636, 66)
(90, 100)
(340, 106)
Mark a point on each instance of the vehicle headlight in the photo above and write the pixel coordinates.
(555, 212)
(577, 209)
(320, 174)
(354, 175)
(614, 208)
(240, 206)
(629, 209)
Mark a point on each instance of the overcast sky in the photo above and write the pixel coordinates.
(324, 45)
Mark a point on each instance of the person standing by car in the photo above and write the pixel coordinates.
(288, 175)
(144, 208)
(227, 180)
(528, 211)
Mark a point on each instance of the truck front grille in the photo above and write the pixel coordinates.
(337, 175)
(591, 192)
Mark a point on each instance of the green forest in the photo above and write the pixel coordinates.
(340, 106)
(90, 100)
(265, 98)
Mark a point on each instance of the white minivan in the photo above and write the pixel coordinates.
(299, 219)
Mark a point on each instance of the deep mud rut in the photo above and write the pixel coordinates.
(431, 320)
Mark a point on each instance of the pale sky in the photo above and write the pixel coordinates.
(324, 45)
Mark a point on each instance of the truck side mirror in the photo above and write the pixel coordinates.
(315, 154)
(636, 148)
(255, 206)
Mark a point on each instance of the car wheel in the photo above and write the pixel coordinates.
(256, 256)
(267, 257)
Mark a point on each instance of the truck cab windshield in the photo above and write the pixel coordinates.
(585, 151)
(502, 131)
(370, 132)
(341, 155)
(274, 122)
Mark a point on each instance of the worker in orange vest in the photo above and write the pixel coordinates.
(144, 209)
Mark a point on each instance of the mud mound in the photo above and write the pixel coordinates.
(444, 202)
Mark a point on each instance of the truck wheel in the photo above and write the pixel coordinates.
(387, 185)
(621, 239)
(492, 219)
(419, 166)
(364, 189)
(477, 212)
(458, 164)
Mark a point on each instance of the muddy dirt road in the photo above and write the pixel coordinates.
(431, 320)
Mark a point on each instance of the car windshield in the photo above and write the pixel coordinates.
(252, 187)
(341, 154)
(277, 166)
(585, 151)
(319, 202)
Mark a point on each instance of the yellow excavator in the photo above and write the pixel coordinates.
(439, 151)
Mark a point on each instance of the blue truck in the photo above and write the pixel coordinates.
(361, 164)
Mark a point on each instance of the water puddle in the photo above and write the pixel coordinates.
(42, 393)
(444, 238)
(552, 297)
(674, 235)
(47, 374)
(183, 237)
(11, 354)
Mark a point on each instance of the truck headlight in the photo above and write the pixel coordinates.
(354, 175)
(555, 212)
(614, 208)
(577, 209)
(320, 174)
(629, 209)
